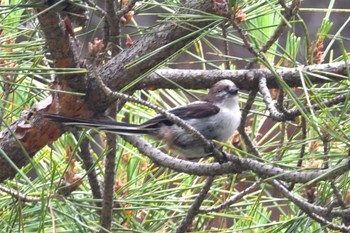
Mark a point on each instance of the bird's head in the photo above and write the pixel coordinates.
(224, 93)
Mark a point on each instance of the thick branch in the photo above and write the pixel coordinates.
(246, 79)
(27, 136)
(60, 46)
(157, 46)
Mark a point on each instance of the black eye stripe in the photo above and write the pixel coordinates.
(223, 89)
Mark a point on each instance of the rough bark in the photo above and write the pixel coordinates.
(28, 135)
(118, 72)
(245, 79)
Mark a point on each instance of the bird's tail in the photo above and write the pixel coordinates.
(105, 125)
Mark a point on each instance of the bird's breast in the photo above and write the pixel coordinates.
(225, 123)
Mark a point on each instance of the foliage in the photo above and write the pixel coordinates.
(149, 198)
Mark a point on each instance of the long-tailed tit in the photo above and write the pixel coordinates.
(216, 117)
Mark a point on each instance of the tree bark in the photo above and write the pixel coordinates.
(28, 135)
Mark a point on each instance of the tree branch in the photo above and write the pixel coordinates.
(233, 199)
(245, 79)
(88, 164)
(235, 165)
(193, 210)
(316, 212)
(27, 136)
(109, 181)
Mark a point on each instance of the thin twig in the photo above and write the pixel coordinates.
(194, 209)
(303, 147)
(328, 103)
(340, 202)
(109, 179)
(292, 114)
(338, 195)
(283, 3)
(98, 10)
(5, 103)
(280, 101)
(88, 164)
(289, 12)
(280, 145)
(241, 129)
(326, 149)
(245, 39)
(233, 199)
(329, 224)
(274, 113)
(316, 212)
(126, 9)
(245, 111)
(226, 46)
(113, 27)
(53, 218)
(21, 196)
(302, 204)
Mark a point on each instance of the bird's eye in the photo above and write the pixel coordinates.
(221, 90)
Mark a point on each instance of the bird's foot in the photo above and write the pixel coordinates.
(218, 154)
(222, 158)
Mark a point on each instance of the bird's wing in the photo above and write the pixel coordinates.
(195, 110)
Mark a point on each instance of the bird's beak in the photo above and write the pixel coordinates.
(233, 91)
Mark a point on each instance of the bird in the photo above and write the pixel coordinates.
(216, 117)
